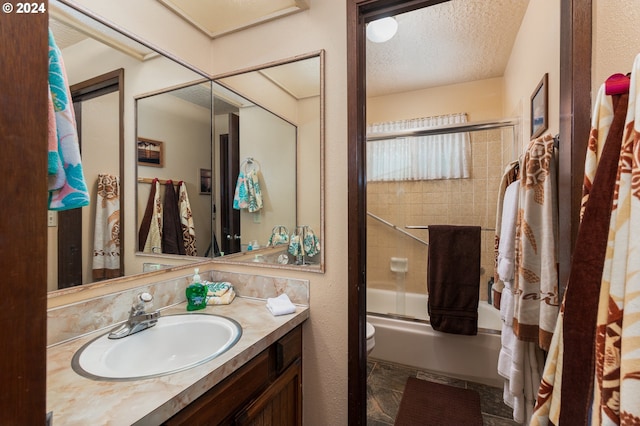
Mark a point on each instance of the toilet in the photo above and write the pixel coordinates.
(371, 338)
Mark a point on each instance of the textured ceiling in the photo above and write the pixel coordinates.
(452, 42)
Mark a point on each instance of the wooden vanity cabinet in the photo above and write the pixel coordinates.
(267, 390)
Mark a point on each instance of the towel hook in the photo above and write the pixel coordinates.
(250, 163)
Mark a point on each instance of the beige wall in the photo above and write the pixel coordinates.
(323, 26)
(481, 100)
(536, 51)
(616, 39)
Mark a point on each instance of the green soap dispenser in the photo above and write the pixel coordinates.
(196, 293)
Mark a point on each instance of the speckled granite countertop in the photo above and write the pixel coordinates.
(76, 400)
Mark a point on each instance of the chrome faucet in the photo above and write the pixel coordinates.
(138, 320)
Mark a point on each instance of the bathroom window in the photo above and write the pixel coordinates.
(443, 156)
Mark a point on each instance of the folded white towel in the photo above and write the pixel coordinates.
(280, 305)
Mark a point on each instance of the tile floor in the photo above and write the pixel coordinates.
(385, 383)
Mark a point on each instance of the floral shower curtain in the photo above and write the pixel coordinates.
(446, 156)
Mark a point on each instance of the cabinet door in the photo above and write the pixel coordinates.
(219, 404)
(280, 404)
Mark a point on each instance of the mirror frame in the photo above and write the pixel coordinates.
(243, 258)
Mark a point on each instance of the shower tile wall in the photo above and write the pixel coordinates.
(448, 201)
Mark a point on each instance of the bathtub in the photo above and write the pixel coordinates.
(409, 339)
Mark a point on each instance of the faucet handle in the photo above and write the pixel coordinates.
(145, 297)
(141, 301)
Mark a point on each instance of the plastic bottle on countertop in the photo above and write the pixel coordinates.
(196, 293)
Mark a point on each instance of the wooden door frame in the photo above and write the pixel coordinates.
(229, 169)
(575, 106)
(69, 220)
(23, 228)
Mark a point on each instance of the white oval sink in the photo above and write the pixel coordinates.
(175, 343)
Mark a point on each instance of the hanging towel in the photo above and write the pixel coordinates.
(248, 194)
(509, 175)
(304, 242)
(618, 330)
(106, 241)
(55, 169)
(171, 229)
(295, 248)
(310, 243)
(279, 235)
(67, 187)
(536, 281)
(566, 387)
(186, 221)
(453, 278)
(507, 247)
(150, 233)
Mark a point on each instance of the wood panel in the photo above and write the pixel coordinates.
(215, 405)
(23, 228)
(280, 404)
(575, 112)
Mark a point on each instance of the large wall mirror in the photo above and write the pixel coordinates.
(279, 121)
(252, 176)
(105, 68)
(181, 115)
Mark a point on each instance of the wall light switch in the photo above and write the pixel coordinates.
(257, 217)
(52, 219)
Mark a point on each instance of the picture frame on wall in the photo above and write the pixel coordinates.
(150, 152)
(540, 108)
(206, 182)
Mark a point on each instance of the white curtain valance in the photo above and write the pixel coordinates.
(445, 156)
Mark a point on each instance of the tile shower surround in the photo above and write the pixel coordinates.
(73, 320)
(470, 201)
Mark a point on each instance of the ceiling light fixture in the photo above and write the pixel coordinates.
(382, 30)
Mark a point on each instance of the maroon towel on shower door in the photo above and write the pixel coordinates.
(453, 278)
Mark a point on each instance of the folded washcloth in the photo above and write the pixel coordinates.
(225, 299)
(217, 289)
(280, 305)
(219, 293)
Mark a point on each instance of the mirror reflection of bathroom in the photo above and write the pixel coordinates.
(268, 122)
(97, 60)
(444, 120)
